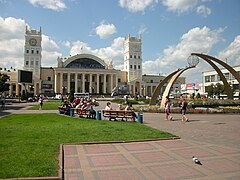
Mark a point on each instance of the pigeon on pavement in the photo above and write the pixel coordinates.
(195, 159)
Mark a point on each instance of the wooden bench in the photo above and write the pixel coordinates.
(83, 113)
(118, 114)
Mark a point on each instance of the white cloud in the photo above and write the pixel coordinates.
(232, 52)
(12, 45)
(203, 11)
(56, 5)
(179, 6)
(11, 42)
(105, 30)
(66, 44)
(142, 29)
(50, 51)
(137, 5)
(200, 40)
(113, 52)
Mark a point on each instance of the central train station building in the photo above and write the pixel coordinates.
(85, 72)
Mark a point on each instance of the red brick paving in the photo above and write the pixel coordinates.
(151, 160)
(214, 139)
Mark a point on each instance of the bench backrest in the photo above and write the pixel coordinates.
(118, 113)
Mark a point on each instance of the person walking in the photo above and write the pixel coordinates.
(184, 110)
(168, 109)
(40, 103)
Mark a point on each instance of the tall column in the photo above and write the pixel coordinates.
(55, 82)
(151, 91)
(61, 83)
(10, 92)
(83, 83)
(35, 88)
(17, 89)
(68, 82)
(104, 83)
(134, 89)
(111, 81)
(76, 82)
(116, 84)
(98, 83)
(90, 79)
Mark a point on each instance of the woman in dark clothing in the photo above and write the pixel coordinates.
(184, 109)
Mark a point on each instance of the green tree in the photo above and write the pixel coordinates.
(219, 89)
(71, 95)
(216, 90)
(210, 90)
(3, 85)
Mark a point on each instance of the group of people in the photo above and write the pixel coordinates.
(183, 105)
(127, 108)
(81, 103)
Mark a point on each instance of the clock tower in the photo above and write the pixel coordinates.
(133, 58)
(32, 52)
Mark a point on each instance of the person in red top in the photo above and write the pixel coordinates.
(78, 100)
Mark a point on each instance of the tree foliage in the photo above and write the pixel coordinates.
(71, 95)
(3, 85)
(216, 90)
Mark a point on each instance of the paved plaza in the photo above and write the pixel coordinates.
(213, 138)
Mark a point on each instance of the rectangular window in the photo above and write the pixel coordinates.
(27, 51)
(135, 67)
(226, 76)
(37, 51)
(139, 57)
(212, 78)
(139, 67)
(36, 63)
(27, 63)
(130, 66)
(135, 56)
(32, 51)
(151, 81)
(207, 78)
(130, 56)
(49, 78)
(31, 63)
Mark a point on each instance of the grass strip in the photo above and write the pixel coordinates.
(29, 143)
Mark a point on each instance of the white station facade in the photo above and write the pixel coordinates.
(85, 72)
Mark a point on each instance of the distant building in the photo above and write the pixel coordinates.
(85, 72)
(211, 78)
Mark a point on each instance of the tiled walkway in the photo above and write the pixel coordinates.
(166, 159)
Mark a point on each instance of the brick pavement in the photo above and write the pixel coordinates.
(166, 159)
(214, 139)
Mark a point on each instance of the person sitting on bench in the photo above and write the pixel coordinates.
(130, 108)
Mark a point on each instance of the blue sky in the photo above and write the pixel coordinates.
(171, 30)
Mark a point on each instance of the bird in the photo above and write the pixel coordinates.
(195, 159)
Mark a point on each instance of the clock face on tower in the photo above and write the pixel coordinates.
(32, 42)
(135, 47)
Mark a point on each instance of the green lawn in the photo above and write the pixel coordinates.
(47, 105)
(29, 143)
